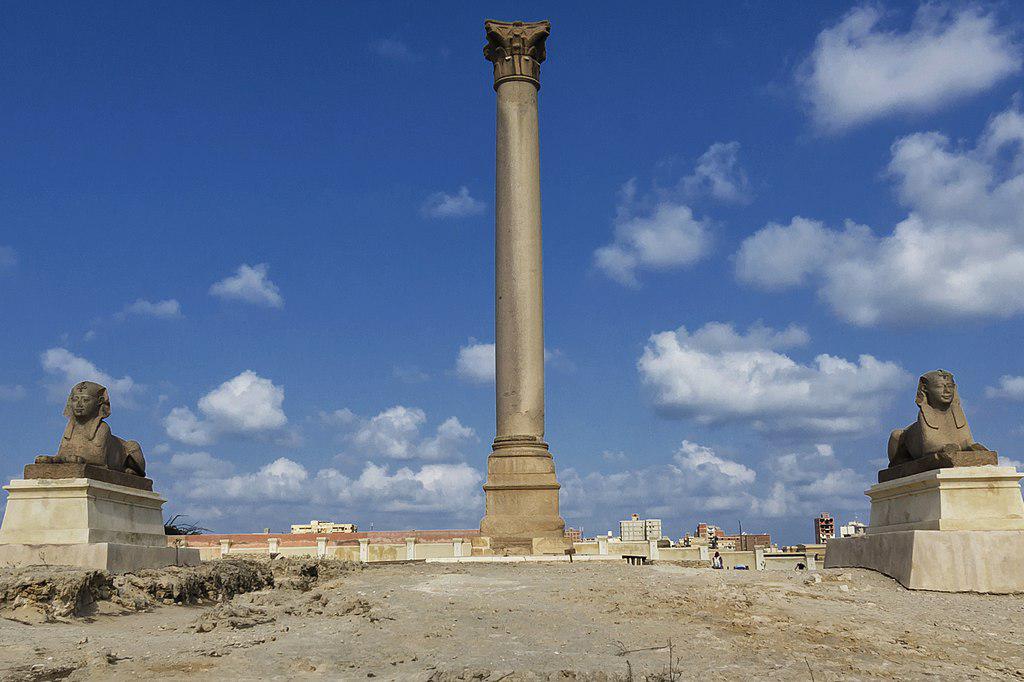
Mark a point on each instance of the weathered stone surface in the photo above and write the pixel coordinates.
(942, 561)
(959, 498)
(941, 426)
(96, 473)
(516, 49)
(108, 556)
(940, 460)
(87, 438)
(956, 529)
(68, 511)
(521, 490)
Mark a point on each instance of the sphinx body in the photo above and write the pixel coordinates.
(87, 438)
(941, 425)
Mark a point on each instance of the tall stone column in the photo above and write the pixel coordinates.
(521, 490)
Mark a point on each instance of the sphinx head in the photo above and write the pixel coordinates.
(937, 388)
(87, 401)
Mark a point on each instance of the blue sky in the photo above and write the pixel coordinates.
(269, 229)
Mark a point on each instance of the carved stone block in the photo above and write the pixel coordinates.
(96, 473)
(940, 460)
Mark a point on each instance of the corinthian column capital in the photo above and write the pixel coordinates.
(516, 48)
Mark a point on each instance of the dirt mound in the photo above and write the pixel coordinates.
(43, 593)
(233, 616)
(52, 591)
(212, 581)
(301, 573)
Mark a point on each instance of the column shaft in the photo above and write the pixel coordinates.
(519, 308)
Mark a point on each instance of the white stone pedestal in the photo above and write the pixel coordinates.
(951, 530)
(88, 523)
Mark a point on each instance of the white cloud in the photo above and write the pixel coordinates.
(959, 253)
(246, 404)
(433, 488)
(860, 71)
(396, 433)
(665, 237)
(168, 309)
(251, 285)
(281, 480)
(719, 175)
(716, 375)
(804, 480)
(11, 392)
(392, 433)
(184, 426)
(717, 337)
(71, 369)
(8, 258)
(475, 362)
(460, 205)
(200, 464)
(1015, 463)
(614, 456)
(342, 417)
(1009, 387)
(452, 489)
(446, 443)
(700, 481)
(780, 256)
(393, 49)
(703, 461)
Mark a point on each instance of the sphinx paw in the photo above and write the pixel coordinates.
(45, 459)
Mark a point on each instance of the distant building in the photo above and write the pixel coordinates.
(707, 534)
(639, 530)
(574, 534)
(323, 527)
(852, 529)
(745, 542)
(824, 528)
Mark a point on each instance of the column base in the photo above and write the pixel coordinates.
(521, 496)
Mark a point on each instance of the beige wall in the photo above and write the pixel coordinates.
(586, 547)
(679, 553)
(732, 559)
(377, 552)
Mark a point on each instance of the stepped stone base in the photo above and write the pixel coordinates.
(958, 529)
(86, 522)
(939, 560)
(107, 556)
(959, 498)
(521, 496)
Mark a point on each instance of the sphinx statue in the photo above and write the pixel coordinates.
(941, 426)
(87, 438)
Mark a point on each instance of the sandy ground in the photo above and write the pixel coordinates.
(540, 621)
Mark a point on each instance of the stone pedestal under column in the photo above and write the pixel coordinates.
(88, 523)
(959, 529)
